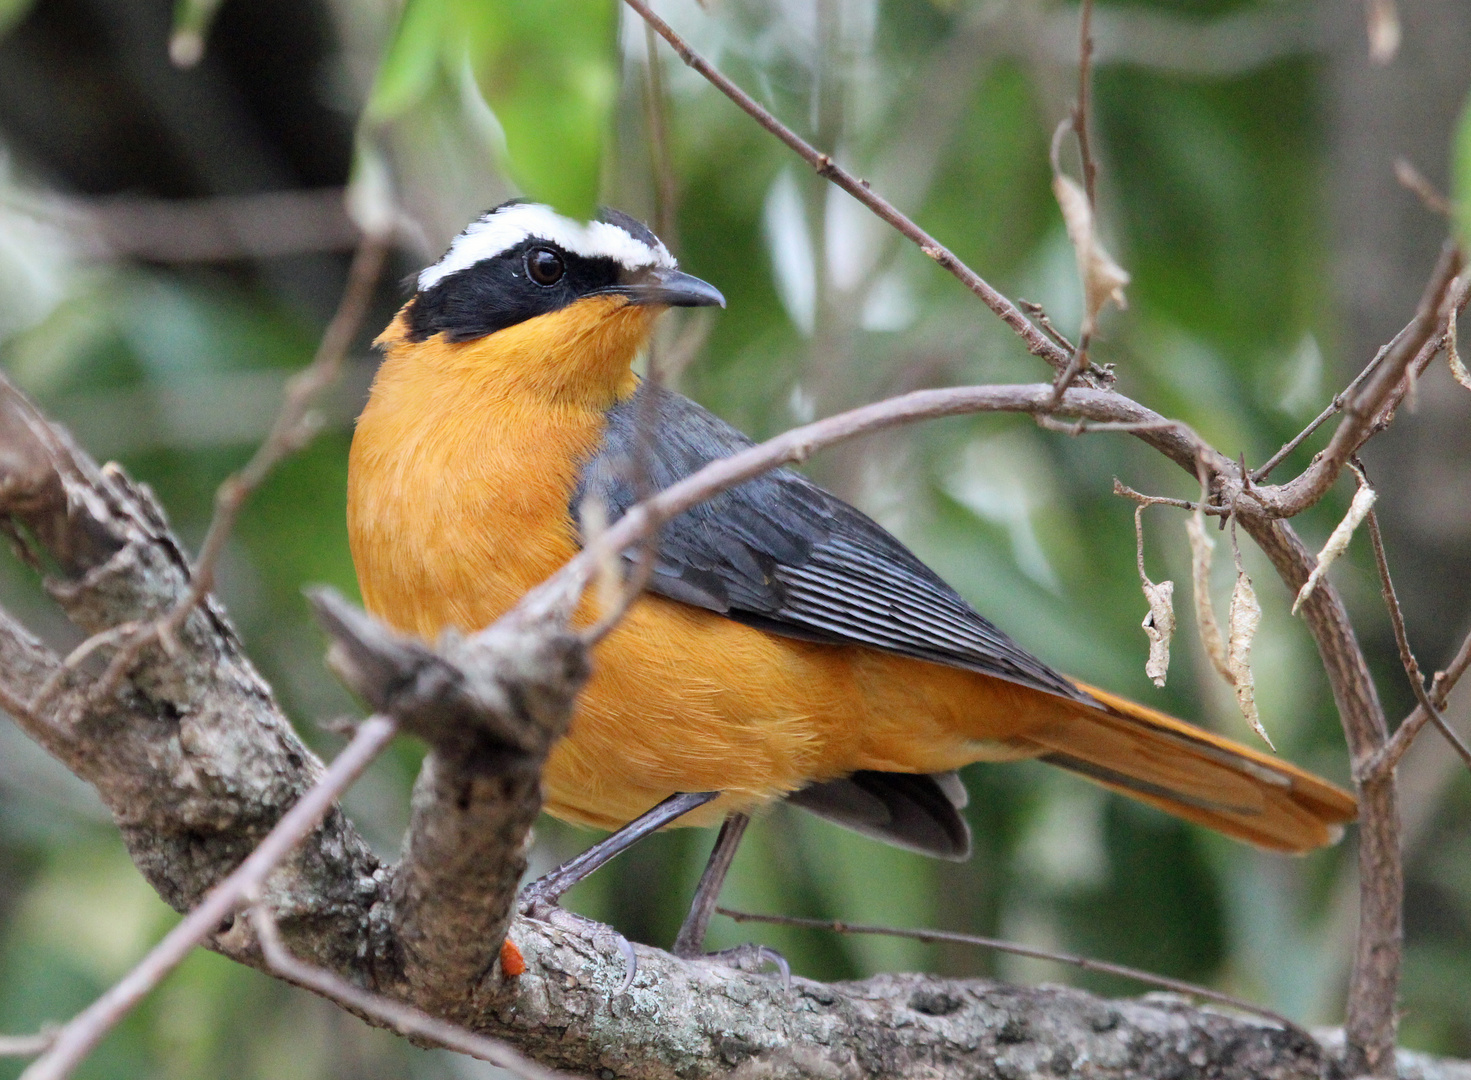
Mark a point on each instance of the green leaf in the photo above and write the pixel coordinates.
(548, 68)
(11, 12)
(1461, 171)
(413, 61)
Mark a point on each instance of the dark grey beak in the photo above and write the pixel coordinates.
(672, 288)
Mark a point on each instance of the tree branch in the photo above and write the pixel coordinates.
(491, 707)
(1440, 688)
(1402, 640)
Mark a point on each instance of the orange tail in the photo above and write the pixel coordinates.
(1196, 775)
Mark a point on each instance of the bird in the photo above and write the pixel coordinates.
(785, 647)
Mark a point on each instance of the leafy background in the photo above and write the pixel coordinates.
(1246, 150)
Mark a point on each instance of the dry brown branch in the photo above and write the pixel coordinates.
(1440, 688)
(491, 707)
(1402, 640)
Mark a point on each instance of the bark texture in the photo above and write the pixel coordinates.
(196, 762)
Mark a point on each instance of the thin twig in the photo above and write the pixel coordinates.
(1330, 411)
(1371, 407)
(1411, 337)
(1406, 654)
(294, 427)
(1412, 179)
(661, 160)
(402, 1018)
(1103, 967)
(645, 419)
(1440, 688)
(1081, 109)
(796, 445)
(13, 1046)
(121, 633)
(1078, 122)
(80, 1035)
(1038, 344)
(1039, 313)
(1079, 356)
(1120, 488)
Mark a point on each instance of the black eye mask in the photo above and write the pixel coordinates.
(499, 292)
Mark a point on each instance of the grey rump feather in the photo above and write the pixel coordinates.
(781, 554)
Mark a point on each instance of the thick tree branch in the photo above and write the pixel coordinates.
(193, 757)
(491, 707)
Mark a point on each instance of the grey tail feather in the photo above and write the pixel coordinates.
(917, 811)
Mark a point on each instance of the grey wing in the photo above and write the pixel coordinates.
(782, 554)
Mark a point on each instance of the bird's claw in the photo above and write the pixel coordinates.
(535, 904)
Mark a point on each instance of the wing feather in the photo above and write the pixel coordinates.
(783, 554)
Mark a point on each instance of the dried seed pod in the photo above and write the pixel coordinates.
(1453, 354)
(1201, 549)
(1103, 279)
(1159, 626)
(1245, 616)
(1337, 541)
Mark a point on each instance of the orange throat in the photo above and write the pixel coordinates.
(465, 460)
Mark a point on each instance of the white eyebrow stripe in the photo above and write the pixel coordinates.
(509, 226)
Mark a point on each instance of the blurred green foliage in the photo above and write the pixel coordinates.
(1211, 194)
(548, 69)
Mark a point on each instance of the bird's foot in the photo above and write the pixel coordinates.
(750, 958)
(541, 905)
(541, 899)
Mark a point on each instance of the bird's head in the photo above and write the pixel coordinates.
(527, 295)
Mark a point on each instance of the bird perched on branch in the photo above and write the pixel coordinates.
(787, 647)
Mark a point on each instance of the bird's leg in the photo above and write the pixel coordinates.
(691, 939)
(546, 891)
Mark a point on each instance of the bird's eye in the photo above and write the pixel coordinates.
(544, 266)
